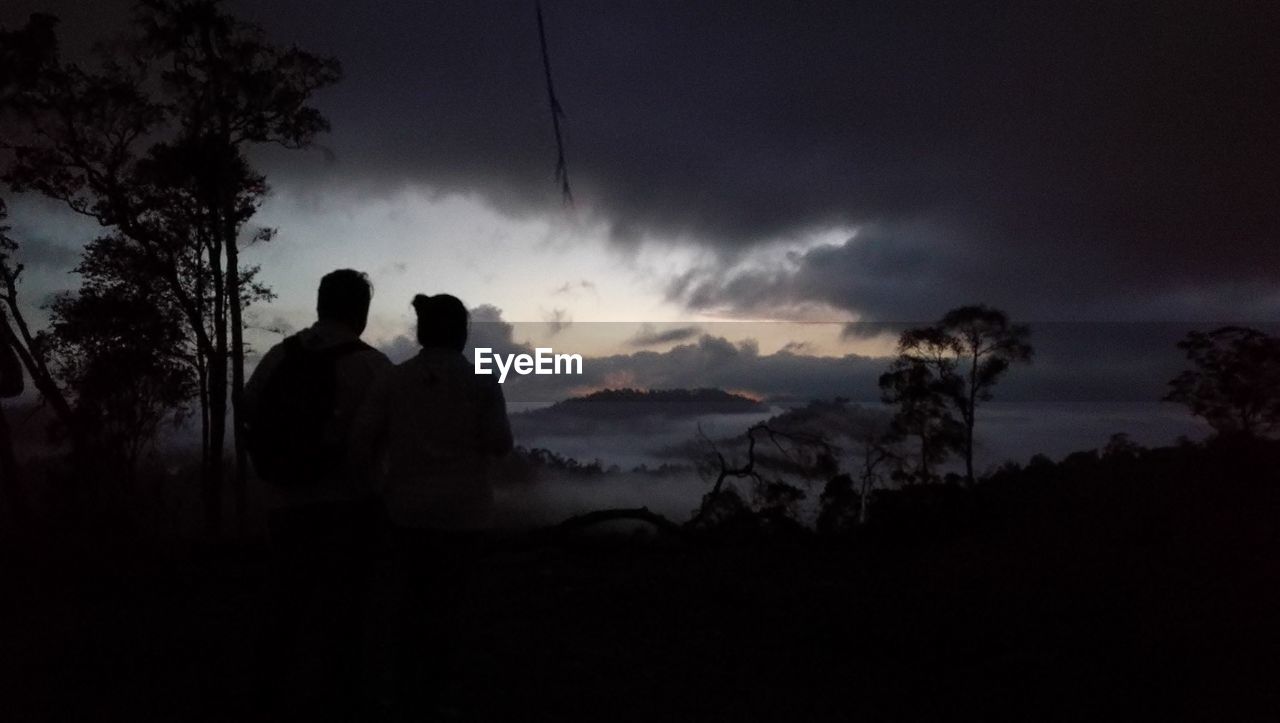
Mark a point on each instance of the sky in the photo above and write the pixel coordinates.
(883, 162)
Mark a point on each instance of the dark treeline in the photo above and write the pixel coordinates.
(1115, 582)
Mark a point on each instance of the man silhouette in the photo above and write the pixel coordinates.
(322, 520)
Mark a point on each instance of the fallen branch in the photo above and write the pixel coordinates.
(578, 523)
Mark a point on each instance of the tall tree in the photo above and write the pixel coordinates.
(1235, 382)
(231, 88)
(959, 360)
(152, 142)
(913, 388)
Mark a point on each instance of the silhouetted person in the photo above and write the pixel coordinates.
(322, 518)
(427, 433)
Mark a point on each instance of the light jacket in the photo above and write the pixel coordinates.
(426, 435)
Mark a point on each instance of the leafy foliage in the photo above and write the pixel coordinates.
(915, 389)
(121, 347)
(116, 358)
(1235, 382)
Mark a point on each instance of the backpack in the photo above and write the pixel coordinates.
(286, 435)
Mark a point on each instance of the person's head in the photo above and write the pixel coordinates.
(344, 297)
(442, 322)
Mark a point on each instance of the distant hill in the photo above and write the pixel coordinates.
(611, 403)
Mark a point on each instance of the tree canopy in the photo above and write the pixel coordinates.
(950, 367)
(1234, 382)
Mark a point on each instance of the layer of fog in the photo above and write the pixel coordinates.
(1006, 432)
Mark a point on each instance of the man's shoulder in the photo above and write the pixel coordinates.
(270, 359)
(374, 359)
(365, 350)
(362, 356)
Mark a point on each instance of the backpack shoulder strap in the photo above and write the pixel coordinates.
(293, 347)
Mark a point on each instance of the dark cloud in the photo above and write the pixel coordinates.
(1050, 153)
(571, 288)
(557, 321)
(488, 329)
(400, 348)
(277, 325)
(396, 268)
(1063, 157)
(915, 275)
(650, 335)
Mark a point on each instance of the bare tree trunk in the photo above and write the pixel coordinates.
(217, 442)
(217, 399)
(969, 416)
(237, 382)
(215, 468)
(869, 463)
(24, 345)
(926, 450)
(864, 500)
(968, 451)
(225, 228)
(196, 319)
(202, 377)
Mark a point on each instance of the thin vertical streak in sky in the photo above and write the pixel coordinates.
(562, 167)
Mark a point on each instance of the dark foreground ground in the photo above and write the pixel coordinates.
(1153, 593)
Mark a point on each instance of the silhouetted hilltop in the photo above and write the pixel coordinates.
(636, 412)
(664, 402)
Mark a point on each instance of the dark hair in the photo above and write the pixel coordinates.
(344, 296)
(442, 321)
